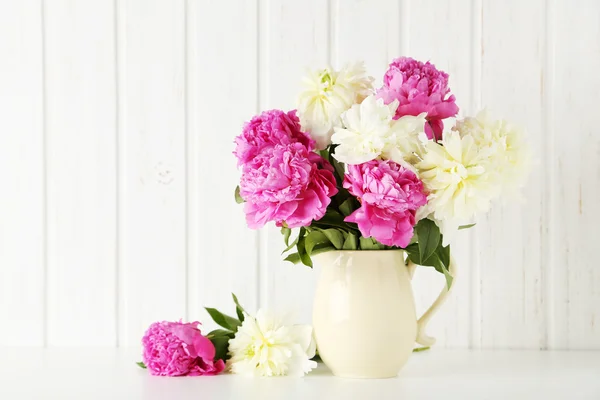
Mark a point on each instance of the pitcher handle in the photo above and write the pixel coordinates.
(422, 337)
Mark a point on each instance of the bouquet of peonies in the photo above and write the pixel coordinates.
(351, 169)
(355, 168)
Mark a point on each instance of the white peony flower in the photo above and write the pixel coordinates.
(327, 95)
(267, 346)
(369, 131)
(460, 185)
(509, 154)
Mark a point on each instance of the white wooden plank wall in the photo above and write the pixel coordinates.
(508, 251)
(222, 251)
(80, 166)
(22, 208)
(152, 164)
(574, 180)
(117, 122)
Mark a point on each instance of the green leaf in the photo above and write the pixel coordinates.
(351, 242)
(441, 266)
(414, 255)
(223, 320)
(240, 314)
(466, 226)
(333, 219)
(440, 260)
(322, 248)
(286, 232)
(318, 249)
(304, 256)
(295, 242)
(444, 270)
(365, 243)
(239, 310)
(314, 238)
(335, 237)
(221, 332)
(341, 196)
(238, 197)
(348, 206)
(221, 344)
(368, 243)
(293, 258)
(444, 254)
(428, 235)
(339, 167)
(141, 364)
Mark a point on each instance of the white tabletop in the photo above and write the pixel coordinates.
(437, 374)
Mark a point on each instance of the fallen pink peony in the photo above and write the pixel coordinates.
(177, 349)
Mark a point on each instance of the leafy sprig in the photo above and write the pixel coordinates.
(426, 250)
(220, 337)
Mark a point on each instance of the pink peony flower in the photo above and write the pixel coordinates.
(389, 228)
(390, 195)
(419, 87)
(267, 130)
(287, 184)
(176, 349)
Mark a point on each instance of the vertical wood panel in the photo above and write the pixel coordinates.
(510, 254)
(439, 43)
(369, 31)
(80, 105)
(152, 203)
(475, 315)
(575, 179)
(296, 38)
(222, 93)
(21, 159)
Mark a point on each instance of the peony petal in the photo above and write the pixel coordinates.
(434, 129)
(204, 348)
(186, 332)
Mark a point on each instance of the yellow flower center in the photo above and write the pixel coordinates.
(327, 82)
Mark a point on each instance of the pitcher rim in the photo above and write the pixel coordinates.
(357, 251)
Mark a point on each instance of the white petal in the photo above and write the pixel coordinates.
(303, 335)
(300, 363)
(328, 93)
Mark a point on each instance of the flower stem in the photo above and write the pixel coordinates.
(416, 350)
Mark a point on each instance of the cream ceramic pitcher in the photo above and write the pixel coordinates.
(364, 312)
